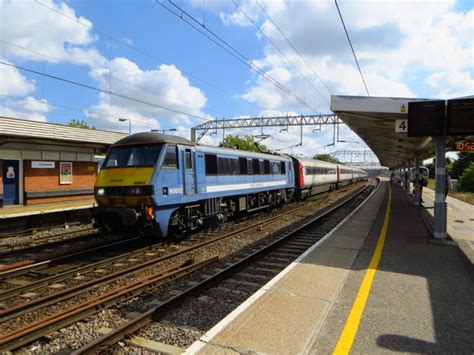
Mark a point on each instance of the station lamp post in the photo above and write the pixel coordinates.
(129, 123)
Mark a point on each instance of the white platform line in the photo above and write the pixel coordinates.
(206, 338)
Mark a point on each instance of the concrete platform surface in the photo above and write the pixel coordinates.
(460, 221)
(43, 208)
(421, 298)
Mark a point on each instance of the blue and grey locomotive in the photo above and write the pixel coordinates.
(163, 184)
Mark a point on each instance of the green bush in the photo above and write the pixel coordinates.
(466, 181)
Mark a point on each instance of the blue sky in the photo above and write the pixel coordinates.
(139, 49)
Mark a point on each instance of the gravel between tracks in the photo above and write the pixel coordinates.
(83, 332)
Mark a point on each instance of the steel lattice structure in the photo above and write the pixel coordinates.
(258, 122)
(366, 153)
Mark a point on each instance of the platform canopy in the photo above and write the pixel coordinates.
(19, 130)
(373, 120)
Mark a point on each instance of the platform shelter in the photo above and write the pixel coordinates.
(384, 125)
(44, 162)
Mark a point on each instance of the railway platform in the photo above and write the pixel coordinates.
(45, 208)
(378, 283)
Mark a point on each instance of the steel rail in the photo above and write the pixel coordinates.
(29, 265)
(101, 344)
(56, 278)
(33, 331)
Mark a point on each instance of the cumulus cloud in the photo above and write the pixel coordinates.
(173, 100)
(12, 82)
(396, 43)
(28, 108)
(33, 26)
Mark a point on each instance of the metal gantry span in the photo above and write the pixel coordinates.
(258, 122)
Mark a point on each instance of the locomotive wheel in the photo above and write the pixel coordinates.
(179, 228)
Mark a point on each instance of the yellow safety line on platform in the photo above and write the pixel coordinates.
(346, 339)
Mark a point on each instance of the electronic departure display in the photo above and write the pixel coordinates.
(460, 117)
(464, 146)
(426, 118)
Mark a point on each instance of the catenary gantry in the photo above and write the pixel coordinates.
(259, 122)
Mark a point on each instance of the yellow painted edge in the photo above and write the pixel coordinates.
(346, 339)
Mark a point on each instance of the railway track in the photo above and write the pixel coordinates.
(232, 284)
(61, 317)
(16, 244)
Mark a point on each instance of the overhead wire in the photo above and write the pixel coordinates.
(352, 48)
(279, 50)
(126, 44)
(292, 45)
(212, 36)
(141, 51)
(106, 76)
(111, 93)
(47, 103)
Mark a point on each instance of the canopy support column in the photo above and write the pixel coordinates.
(440, 207)
(416, 181)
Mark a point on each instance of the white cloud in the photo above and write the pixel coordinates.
(165, 88)
(407, 49)
(39, 29)
(12, 82)
(28, 108)
(451, 85)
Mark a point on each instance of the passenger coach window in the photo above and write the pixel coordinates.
(275, 168)
(234, 166)
(170, 160)
(211, 164)
(266, 166)
(243, 166)
(249, 167)
(261, 167)
(256, 166)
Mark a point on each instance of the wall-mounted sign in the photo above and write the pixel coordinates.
(43, 164)
(426, 118)
(401, 126)
(65, 173)
(463, 146)
(460, 117)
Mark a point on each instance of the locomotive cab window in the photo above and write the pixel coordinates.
(142, 155)
(283, 167)
(170, 160)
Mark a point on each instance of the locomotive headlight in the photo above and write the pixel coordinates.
(136, 190)
(100, 192)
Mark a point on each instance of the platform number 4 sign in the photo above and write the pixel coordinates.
(401, 125)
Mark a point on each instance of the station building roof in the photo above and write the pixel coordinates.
(19, 129)
(373, 120)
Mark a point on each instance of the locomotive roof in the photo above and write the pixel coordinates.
(248, 153)
(152, 138)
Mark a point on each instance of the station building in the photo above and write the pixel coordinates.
(43, 162)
